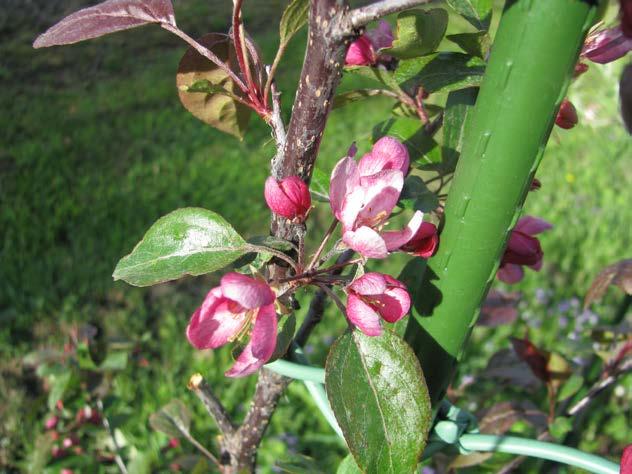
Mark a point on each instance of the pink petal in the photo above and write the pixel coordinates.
(277, 199)
(607, 46)
(248, 292)
(510, 273)
(396, 238)
(366, 242)
(298, 194)
(213, 324)
(382, 36)
(626, 460)
(363, 316)
(371, 283)
(532, 225)
(537, 266)
(387, 154)
(381, 193)
(344, 178)
(261, 346)
(522, 249)
(394, 304)
(360, 53)
(424, 243)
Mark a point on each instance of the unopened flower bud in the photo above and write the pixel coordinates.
(51, 422)
(289, 197)
(566, 116)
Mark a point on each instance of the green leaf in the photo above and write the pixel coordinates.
(560, 427)
(189, 241)
(457, 110)
(319, 185)
(416, 196)
(59, 383)
(349, 97)
(348, 466)
(293, 19)
(173, 419)
(570, 387)
(377, 74)
(116, 360)
(441, 72)
(477, 44)
(378, 394)
(477, 12)
(423, 149)
(419, 32)
(213, 103)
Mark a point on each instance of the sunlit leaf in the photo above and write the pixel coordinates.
(293, 19)
(215, 107)
(349, 97)
(378, 394)
(477, 12)
(419, 32)
(104, 18)
(477, 44)
(189, 241)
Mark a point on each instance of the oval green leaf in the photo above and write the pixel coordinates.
(419, 32)
(379, 396)
(189, 241)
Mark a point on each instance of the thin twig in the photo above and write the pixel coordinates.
(207, 53)
(202, 449)
(239, 43)
(198, 385)
(313, 273)
(334, 297)
(362, 16)
(317, 307)
(276, 253)
(321, 247)
(117, 450)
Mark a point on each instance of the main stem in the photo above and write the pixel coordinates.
(534, 53)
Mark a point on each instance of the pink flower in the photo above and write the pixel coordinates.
(289, 198)
(522, 249)
(626, 460)
(228, 312)
(376, 296)
(364, 50)
(567, 115)
(363, 194)
(51, 422)
(424, 243)
(607, 45)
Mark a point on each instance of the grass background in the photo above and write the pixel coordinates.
(95, 146)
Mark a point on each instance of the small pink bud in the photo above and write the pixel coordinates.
(70, 441)
(51, 422)
(66, 471)
(174, 443)
(361, 52)
(566, 116)
(289, 197)
(535, 185)
(57, 452)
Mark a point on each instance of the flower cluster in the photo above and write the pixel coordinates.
(523, 249)
(362, 195)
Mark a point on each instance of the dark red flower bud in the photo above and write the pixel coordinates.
(580, 68)
(567, 115)
(535, 185)
(537, 359)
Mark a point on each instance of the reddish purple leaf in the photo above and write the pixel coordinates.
(619, 274)
(499, 308)
(104, 18)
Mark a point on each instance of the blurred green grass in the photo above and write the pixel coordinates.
(95, 147)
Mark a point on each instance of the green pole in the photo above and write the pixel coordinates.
(533, 56)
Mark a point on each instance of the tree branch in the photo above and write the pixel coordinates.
(214, 407)
(362, 16)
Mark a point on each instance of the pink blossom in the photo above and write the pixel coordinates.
(362, 196)
(522, 249)
(606, 45)
(376, 296)
(626, 460)
(567, 115)
(228, 312)
(424, 243)
(364, 50)
(51, 422)
(289, 197)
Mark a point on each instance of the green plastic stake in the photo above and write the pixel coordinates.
(533, 56)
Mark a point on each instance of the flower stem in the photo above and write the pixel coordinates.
(321, 247)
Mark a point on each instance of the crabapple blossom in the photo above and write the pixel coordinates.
(376, 296)
(605, 46)
(626, 460)
(228, 313)
(364, 50)
(523, 249)
(289, 197)
(363, 194)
